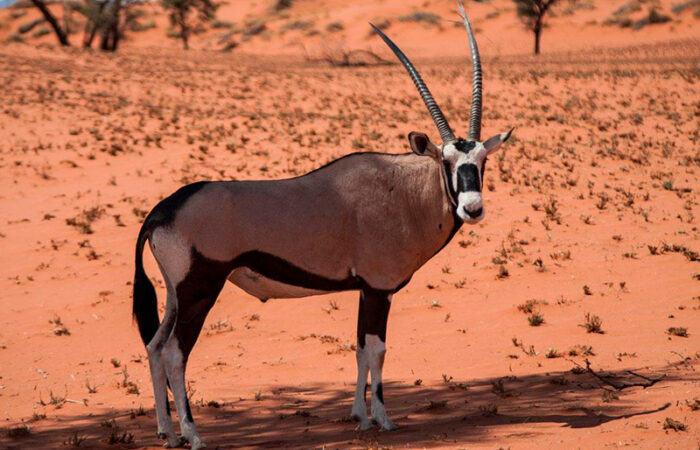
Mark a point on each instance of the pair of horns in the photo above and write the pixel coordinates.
(435, 112)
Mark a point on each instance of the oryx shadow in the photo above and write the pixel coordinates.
(313, 415)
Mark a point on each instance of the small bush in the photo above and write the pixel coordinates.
(421, 16)
(18, 14)
(593, 324)
(334, 27)
(137, 26)
(282, 4)
(678, 331)
(675, 425)
(654, 17)
(29, 26)
(297, 25)
(41, 32)
(678, 8)
(15, 37)
(18, 431)
(218, 23)
(535, 319)
(552, 353)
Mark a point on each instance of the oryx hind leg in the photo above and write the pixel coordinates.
(172, 254)
(371, 349)
(158, 374)
(196, 295)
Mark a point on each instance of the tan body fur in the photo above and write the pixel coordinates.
(375, 216)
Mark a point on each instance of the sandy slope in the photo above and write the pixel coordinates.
(599, 188)
(304, 28)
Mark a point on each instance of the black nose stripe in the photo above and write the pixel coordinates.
(468, 178)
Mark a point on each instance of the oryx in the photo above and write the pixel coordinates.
(364, 222)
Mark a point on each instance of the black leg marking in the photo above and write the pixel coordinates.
(188, 411)
(373, 314)
(380, 392)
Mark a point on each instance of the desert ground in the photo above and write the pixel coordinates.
(568, 318)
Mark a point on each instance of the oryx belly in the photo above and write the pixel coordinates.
(264, 288)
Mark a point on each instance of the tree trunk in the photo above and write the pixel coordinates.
(60, 34)
(537, 29)
(104, 38)
(91, 28)
(184, 30)
(115, 25)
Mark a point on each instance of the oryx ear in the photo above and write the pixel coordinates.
(421, 145)
(492, 143)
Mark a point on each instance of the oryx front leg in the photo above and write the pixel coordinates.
(371, 349)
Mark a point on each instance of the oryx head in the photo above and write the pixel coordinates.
(463, 159)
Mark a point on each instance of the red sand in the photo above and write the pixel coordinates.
(598, 188)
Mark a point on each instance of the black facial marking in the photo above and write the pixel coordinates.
(483, 170)
(464, 146)
(468, 178)
(380, 393)
(373, 314)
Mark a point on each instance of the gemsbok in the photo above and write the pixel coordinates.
(366, 222)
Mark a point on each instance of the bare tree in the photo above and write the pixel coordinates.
(60, 32)
(94, 12)
(109, 40)
(532, 13)
(180, 15)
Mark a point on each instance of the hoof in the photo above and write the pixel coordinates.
(198, 444)
(389, 426)
(364, 425)
(175, 443)
(161, 435)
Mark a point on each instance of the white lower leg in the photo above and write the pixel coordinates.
(376, 349)
(158, 376)
(175, 368)
(160, 392)
(359, 405)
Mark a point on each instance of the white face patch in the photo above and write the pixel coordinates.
(470, 207)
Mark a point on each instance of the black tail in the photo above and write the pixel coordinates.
(145, 307)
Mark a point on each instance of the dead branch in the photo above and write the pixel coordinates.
(623, 384)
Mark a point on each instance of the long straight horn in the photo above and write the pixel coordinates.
(435, 112)
(475, 117)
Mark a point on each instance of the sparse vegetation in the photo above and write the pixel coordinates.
(59, 329)
(18, 431)
(75, 440)
(593, 324)
(535, 319)
(422, 17)
(673, 424)
(678, 331)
